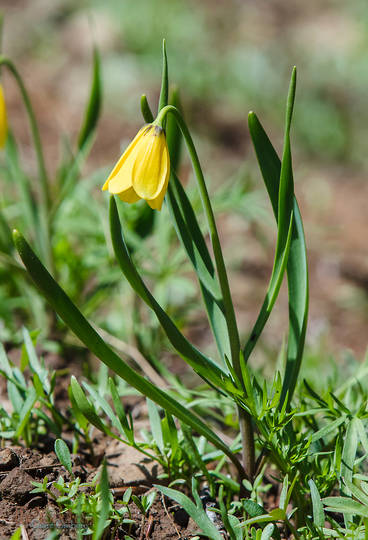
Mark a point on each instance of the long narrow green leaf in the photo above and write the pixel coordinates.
(146, 110)
(4, 363)
(327, 429)
(101, 520)
(101, 401)
(349, 453)
(93, 108)
(197, 513)
(174, 137)
(164, 94)
(357, 493)
(120, 412)
(25, 411)
(73, 318)
(284, 227)
(6, 243)
(278, 270)
(205, 367)
(85, 407)
(345, 505)
(190, 235)
(155, 423)
(318, 513)
(297, 268)
(19, 179)
(63, 454)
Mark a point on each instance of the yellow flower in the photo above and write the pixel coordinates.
(3, 119)
(143, 170)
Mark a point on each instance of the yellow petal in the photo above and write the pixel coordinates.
(151, 166)
(129, 196)
(156, 203)
(3, 119)
(123, 178)
(122, 160)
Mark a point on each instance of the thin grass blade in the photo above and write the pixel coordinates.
(146, 110)
(73, 318)
(204, 366)
(164, 93)
(285, 197)
(93, 108)
(297, 268)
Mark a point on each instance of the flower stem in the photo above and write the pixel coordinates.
(245, 422)
(44, 188)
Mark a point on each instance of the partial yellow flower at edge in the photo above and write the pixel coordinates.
(143, 171)
(3, 119)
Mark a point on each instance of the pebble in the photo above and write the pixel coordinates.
(8, 459)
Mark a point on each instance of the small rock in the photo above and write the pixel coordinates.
(17, 486)
(8, 459)
(129, 467)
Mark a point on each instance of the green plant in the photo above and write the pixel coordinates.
(91, 503)
(31, 389)
(310, 442)
(228, 378)
(38, 203)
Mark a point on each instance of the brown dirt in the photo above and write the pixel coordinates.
(38, 513)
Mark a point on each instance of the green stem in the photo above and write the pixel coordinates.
(44, 188)
(245, 422)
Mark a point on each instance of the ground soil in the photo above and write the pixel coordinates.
(39, 514)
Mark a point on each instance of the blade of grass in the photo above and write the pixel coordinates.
(173, 134)
(195, 512)
(146, 110)
(73, 318)
(297, 268)
(164, 93)
(318, 513)
(204, 366)
(284, 227)
(93, 108)
(190, 235)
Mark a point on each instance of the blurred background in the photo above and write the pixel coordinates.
(227, 57)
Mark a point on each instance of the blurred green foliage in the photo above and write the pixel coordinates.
(235, 56)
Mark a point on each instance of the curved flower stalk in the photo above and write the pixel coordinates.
(143, 171)
(3, 119)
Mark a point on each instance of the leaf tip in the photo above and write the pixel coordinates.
(16, 236)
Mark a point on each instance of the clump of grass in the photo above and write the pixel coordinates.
(305, 444)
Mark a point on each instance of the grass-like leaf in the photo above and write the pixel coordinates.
(25, 411)
(146, 110)
(204, 366)
(349, 453)
(164, 93)
(63, 454)
(102, 517)
(155, 423)
(191, 237)
(297, 268)
(93, 108)
(318, 513)
(345, 505)
(74, 319)
(173, 134)
(285, 215)
(196, 512)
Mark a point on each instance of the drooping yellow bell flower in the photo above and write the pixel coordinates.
(3, 119)
(143, 170)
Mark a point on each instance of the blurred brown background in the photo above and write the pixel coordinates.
(227, 57)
